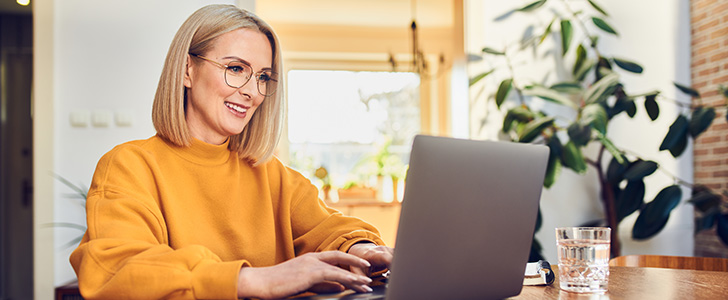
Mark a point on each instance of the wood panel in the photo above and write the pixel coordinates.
(672, 262)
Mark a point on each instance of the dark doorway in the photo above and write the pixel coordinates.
(16, 152)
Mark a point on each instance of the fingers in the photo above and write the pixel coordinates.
(341, 258)
(313, 271)
(359, 271)
(380, 257)
(353, 281)
(325, 264)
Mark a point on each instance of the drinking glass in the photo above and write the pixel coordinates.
(583, 258)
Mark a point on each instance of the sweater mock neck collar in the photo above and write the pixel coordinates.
(205, 154)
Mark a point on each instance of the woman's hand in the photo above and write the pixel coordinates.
(316, 271)
(380, 257)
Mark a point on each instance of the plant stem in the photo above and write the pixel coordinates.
(609, 203)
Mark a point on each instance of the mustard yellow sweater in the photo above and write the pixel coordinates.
(167, 222)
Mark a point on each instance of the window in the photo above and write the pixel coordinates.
(355, 124)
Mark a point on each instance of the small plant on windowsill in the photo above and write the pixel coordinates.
(354, 190)
(383, 163)
(322, 174)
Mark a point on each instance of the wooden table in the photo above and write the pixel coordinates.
(643, 283)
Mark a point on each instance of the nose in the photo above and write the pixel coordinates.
(249, 89)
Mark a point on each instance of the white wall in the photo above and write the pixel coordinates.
(106, 59)
(655, 33)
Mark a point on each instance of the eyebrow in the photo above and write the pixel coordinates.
(246, 62)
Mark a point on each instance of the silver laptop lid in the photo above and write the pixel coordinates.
(467, 219)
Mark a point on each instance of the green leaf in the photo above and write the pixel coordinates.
(616, 153)
(680, 147)
(640, 169)
(706, 221)
(493, 51)
(553, 169)
(616, 169)
(566, 33)
(480, 76)
(724, 91)
(596, 116)
(547, 31)
(687, 90)
(603, 25)
(619, 106)
(655, 214)
(628, 65)
(600, 89)
(503, 89)
(584, 69)
(549, 95)
(701, 120)
(572, 158)
(631, 108)
(567, 87)
(580, 57)
(653, 110)
(643, 229)
(520, 114)
(723, 228)
(532, 6)
(665, 201)
(599, 9)
(677, 132)
(630, 199)
(579, 134)
(534, 129)
(705, 201)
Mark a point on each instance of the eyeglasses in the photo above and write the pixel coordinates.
(238, 73)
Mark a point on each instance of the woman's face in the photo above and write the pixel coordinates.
(215, 110)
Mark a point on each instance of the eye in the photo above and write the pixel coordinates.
(238, 69)
(266, 77)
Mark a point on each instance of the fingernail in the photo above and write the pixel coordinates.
(367, 288)
(366, 279)
(366, 263)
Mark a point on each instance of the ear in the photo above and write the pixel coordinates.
(188, 72)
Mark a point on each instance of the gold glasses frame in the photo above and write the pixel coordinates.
(259, 76)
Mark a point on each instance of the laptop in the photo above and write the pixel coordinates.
(467, 221)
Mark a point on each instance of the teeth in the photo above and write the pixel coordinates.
(235, 107)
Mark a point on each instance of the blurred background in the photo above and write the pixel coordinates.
(78, 77)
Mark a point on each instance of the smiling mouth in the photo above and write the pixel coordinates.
(236, 107)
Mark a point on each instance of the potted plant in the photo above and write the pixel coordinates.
(322, 174)
(596, 94)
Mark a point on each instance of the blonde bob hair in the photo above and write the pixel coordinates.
(197, 35)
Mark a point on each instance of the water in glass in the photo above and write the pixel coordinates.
(583, 265)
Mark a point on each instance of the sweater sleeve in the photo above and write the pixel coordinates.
(125, 252)
(317, 227)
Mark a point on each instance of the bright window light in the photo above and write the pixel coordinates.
(338, 118)
(23, 2)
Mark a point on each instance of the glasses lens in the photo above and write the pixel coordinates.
(237, 74)
(267, 82)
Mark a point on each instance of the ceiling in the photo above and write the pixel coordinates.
(12, 7)
(373, 13)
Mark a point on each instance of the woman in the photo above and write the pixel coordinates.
(203, 210)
